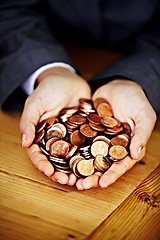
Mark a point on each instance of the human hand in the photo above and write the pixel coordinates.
(130, 105)
(57, 88)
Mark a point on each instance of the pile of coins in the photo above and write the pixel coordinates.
(84, 139)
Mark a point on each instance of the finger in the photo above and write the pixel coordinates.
(79, 184)
(40, 160)
(72, 179)
(144, 125)
(30, 117)
(60, 177)
(89, 182)
(115, 171)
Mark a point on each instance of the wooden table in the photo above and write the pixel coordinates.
(34, 207)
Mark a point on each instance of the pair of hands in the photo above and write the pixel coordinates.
(59, 88)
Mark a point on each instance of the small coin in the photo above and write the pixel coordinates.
(121, 140)
(99, 148)
(40, 126)
(110, 122)
(85, 168)
(69, 111)
(97, 101)
(77, 138)
(71, 152)
(59, 148)
(74, 160)
(98, 128)
(77, 119)
(117, 152)
(104, 110)
(39, 136)
(87, 131)
(61, 128)
(100, 163)
(50, 121)
(49, 142)
(126, 128)
(102, 138)
(52, 134)
(94, 118)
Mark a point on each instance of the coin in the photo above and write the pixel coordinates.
(117, 152)
(99, 148)
(87, 131)
(77, 119)
(77, 138)
(39, 136)
(85, 168)
(94, 118)
(110, 122)
(121, 140)
(97, 101)
(126, 128)
(40, 126)
(100, 164)
(59, 148)
(104, 110)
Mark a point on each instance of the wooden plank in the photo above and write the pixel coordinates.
(138, 217)
(17, 225)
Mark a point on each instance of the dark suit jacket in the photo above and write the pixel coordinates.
(29, 30)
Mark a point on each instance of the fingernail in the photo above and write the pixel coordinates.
(139, 150)
(24, 139)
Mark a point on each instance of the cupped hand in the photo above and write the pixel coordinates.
(130, 105)
(57, 88)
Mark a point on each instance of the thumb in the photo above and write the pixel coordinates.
(144, 125)
(29, 119)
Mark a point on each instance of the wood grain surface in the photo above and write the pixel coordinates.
(34, 207)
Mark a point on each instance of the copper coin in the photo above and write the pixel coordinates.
(61, 128)
(117, 152)
(87, 131)
(97, 101)
(74, 160)
(121, 140)
(110, 122)
(104, 110)
(40, 126)
(86, 103)
(113, 131)
(52, 134)
(94, 118)
(66, 171)
(100, 163)
(77, 119)
(50, 142)
(71, 152)
(39, 136)
(44, 151)
(126, 128)
(59, 148)
(50, 121)
(58, 160)
(69, 111)
(77, 138)
(102, 138)
(99, 148)
(85, 168)
(98, 128)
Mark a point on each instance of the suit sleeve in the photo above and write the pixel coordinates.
(26, 44)
(141, 64)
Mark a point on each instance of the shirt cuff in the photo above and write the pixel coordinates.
(28, 85)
